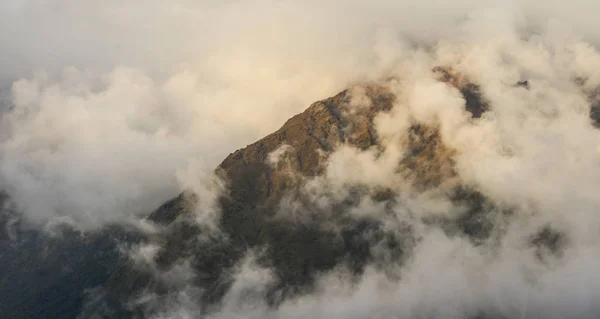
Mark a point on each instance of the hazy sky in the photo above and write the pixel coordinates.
(100, 87)
(112, 107)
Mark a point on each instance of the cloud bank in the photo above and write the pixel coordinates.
(107, 101)
(112, 108)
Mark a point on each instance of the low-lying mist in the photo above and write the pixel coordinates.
(110, 109)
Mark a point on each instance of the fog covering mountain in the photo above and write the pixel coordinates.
(449, 168)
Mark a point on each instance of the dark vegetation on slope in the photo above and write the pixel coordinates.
(45, 276)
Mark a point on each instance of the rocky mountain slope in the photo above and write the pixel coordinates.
(258, 180)
(256, 186)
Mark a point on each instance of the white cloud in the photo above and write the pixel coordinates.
(115, 107)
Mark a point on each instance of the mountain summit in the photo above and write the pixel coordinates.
(280, 208)
(262, 177)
